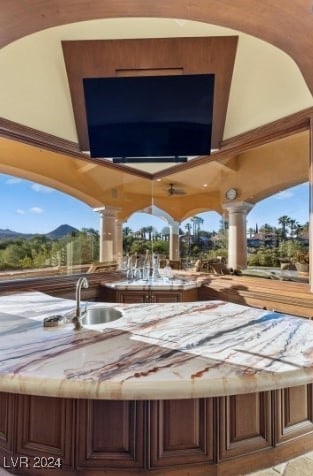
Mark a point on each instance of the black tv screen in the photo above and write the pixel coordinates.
(149, 116)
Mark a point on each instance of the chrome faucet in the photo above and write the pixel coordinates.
(81, 283)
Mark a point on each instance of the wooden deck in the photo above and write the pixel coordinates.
(282, 296)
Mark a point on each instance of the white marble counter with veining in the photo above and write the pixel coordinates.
(154, 285)
(155, 351)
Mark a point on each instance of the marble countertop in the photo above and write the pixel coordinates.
(159, 284)
(155, 351)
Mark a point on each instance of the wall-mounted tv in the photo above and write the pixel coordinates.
(149, 116)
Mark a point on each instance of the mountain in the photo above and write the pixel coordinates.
(10, 234)
(60, 232)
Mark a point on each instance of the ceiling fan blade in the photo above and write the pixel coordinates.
(172, 190)
(178, 191)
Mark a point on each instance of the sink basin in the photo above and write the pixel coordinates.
(100, 315)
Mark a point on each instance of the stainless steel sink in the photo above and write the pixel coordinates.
(100, 315)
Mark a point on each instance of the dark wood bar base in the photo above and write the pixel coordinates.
(229, 435)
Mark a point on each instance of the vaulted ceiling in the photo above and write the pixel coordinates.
(260, 51)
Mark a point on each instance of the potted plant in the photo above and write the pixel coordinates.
(301, 260)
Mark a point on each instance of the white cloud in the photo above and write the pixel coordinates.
(41, 188)
(19, 211)
(36, 210)
(285, 194)
(13, 180)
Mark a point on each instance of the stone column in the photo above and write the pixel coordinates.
(118, 242)
(174, 254)
(237, 234)
(107, 232)
(311, 206)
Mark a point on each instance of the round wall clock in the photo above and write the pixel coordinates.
(231, 194)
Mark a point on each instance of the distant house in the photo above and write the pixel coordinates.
(262, 239)
(254, 242)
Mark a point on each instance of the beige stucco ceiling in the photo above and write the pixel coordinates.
(262, 89)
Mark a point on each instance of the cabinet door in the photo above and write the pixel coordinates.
(7, 401)
(131, 297)
(190, 295)
(110, 434)
(182, 433)
(166, 296)
(245, 424)
(294, 413)
(45, 428)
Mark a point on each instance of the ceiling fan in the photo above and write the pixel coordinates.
(172, 190)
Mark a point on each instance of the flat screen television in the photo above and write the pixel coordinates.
(149, 116)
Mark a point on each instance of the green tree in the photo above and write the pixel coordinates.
(127, 243)
(196, 223)
(13, 254)
(299, 230)
(26, 263)
(284, 222)
(161, 247)
(188, 228)
(293, 227)
(127, 231)
(138, 247)
(266, 228)
(165, 233)
(150, 230)
(251, 232)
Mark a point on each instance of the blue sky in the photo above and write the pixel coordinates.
(28, 207)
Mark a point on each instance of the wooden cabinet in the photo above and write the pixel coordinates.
(110, 434)
(182, 432)
(294, 410)
(164, 296)
(7, 402)
(155, 296)
(131, 297)
(45, 429)
(245, 424)
(229, 435)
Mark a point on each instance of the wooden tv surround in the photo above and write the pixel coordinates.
(171, 389)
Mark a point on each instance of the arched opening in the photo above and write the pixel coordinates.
(278, 235)
(44, 231)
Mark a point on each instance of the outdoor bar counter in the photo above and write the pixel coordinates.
(189, 388)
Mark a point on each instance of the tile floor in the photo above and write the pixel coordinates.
(301, 466)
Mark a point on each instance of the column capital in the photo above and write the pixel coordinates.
(238, 207)
(108, 211)
(173, 225)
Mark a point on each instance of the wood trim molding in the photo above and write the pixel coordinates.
(276, 130)
(284, 127)
(28, 135)
(31, 136)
